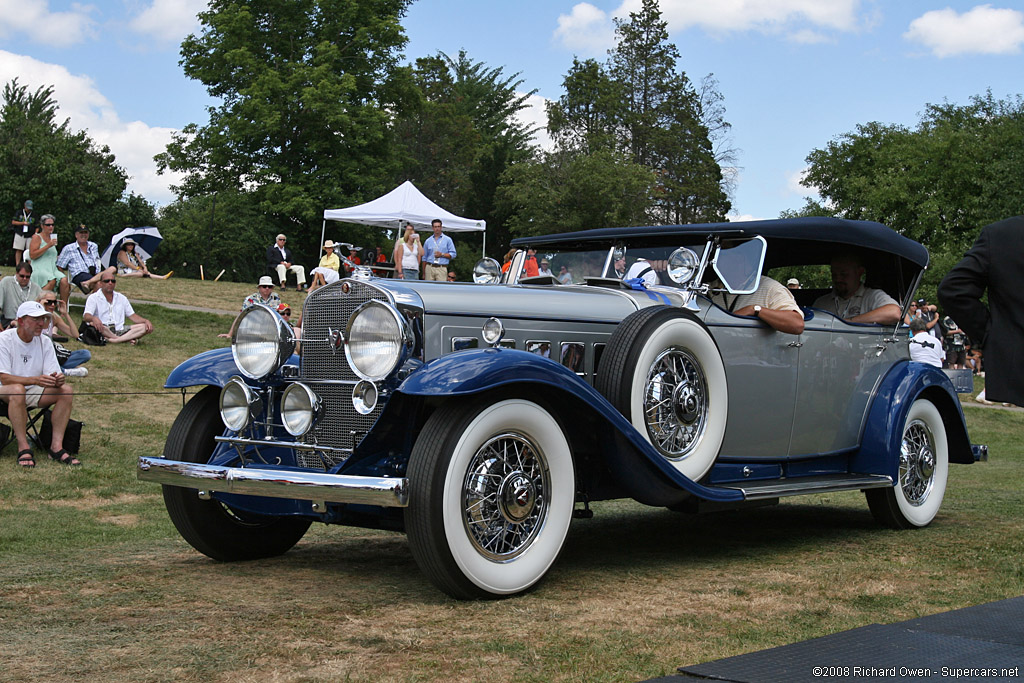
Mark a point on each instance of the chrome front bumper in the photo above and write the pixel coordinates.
(252, 481)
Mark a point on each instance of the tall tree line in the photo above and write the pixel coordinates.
(63, 172)
(634, 134)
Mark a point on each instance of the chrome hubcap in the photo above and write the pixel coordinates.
(917, 462)
(504, 499)
(675, 403)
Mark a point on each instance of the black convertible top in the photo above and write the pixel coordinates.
(807, 239)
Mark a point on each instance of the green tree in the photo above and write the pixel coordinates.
(459, 132)
(562, 192)
(307, 91)
(959, 169)
(643, 110)
(62, 171)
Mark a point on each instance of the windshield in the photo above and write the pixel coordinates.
(570, 266)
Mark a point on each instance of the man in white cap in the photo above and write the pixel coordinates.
(106, 310)
(264, 294)
(279, 259)
(30, 377)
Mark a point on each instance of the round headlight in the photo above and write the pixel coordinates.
(238, 404)
(492, 331)
(375, 340)
(682, 265)
(300, 408)
(486, 272)
(364, 397)
(263, 342)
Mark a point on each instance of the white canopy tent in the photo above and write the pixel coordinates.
(404, 204)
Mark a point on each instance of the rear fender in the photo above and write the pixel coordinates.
(883, 432)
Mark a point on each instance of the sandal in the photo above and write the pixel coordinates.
(25, 458)
(65, 458)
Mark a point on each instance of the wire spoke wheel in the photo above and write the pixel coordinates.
(917, 462)
(675, 402)
(505, 496)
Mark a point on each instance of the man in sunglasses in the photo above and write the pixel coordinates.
(107, 310)
(81, 261)
(14, 291)
(264, 294)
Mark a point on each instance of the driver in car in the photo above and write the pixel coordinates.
(851, 300)
(771, 303)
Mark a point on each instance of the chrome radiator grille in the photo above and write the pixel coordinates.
(327, 372)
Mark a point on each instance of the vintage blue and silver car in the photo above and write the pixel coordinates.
(480, 418)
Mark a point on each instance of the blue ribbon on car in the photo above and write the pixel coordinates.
(637, 283)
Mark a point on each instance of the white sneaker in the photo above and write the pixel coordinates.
(77, 372)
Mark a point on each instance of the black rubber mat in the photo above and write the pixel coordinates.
(981, 643)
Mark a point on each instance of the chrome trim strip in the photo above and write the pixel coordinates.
(251, 481)
(777, 488)
(297, 445)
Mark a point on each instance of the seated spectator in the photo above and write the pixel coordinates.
(42, 251)
(564, 275)
(772, 303)
(81, 260)
(545, 268)
(792, 283)
(107, 310)
(279, 260)
(31, 378)
(451, 276)
(14, 291)
(131, 264)
(851, 300)
(328, 270)
(61, 324)
(924, 348)
(264, 294)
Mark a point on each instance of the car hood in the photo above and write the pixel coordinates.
(576, 302)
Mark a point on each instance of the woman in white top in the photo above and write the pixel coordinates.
(408, 255)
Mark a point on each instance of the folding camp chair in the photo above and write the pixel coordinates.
(32, 426)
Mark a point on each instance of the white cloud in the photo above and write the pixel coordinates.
(982, 30)
(794, 186)
(587, 31)
(33, 20)
(133, 143)
(536, 115)
(168, 21)
(590, 30)
(743, 217)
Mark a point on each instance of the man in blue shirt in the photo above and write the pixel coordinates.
(438, 251)
(81, 261)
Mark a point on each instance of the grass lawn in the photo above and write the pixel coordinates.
(97, 584)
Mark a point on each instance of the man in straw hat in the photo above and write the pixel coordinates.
(30, 377)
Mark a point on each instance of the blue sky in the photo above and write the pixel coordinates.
(794, 73)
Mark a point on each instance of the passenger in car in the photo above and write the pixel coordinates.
(851, 300)
(772, 303)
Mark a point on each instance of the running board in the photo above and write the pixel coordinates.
(800, 486)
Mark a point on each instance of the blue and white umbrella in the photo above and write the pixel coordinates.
(146, 242)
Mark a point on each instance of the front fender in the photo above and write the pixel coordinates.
(213, 368)
(883, 433)
(476, 371)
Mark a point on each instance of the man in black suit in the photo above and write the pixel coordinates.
(995, 263)
(279, 260)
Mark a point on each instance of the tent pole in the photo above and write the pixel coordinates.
(323, 231)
